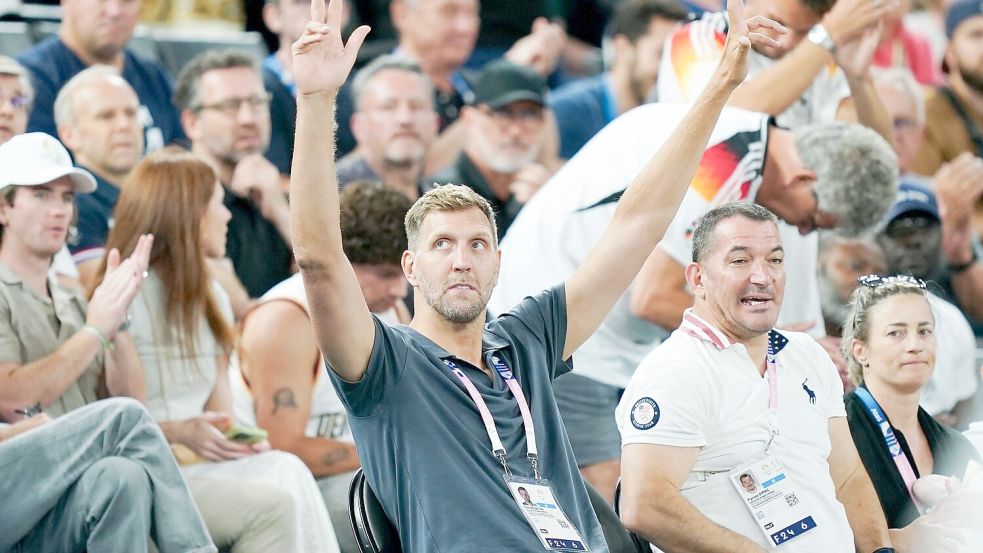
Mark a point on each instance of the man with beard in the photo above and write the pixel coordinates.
(635, 37)
(913, 241)
(727, 395)
(954, 113)
(505, 130)
(225, 113)
(438, 408)
(394, 123)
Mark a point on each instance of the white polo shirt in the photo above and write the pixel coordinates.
(954, 377)
(707, 393)
(558, 228)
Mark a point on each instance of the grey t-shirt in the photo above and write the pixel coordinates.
(425, 451)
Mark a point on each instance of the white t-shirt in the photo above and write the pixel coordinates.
(692, 53)
(328, 418)
(954, 378)
(709, 394)
(558, 228)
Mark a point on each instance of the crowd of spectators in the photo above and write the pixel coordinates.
(750, 234)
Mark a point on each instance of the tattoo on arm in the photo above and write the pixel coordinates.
(284, 397)
(336, 456)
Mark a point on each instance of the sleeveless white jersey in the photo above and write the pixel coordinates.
(328, 418)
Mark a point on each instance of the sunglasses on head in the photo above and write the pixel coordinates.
(876, 281)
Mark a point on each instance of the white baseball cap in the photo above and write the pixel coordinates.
(36, 158)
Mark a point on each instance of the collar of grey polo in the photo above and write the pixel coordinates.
(489, 342)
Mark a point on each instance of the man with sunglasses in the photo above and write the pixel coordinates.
(505, 131)
(225, 113)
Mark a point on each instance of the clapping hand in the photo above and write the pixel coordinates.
(119, 286)
(321, 62)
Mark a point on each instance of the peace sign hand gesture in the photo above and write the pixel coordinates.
(321, 62)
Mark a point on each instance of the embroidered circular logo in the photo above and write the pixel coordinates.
(645, 413)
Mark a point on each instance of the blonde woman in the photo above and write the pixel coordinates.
(890, 346)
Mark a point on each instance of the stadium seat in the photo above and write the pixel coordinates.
(15, 37)
(177, 47)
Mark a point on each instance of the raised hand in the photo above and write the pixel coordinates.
(741, 35)
(119, 286)
(854, 57)
(321, 62)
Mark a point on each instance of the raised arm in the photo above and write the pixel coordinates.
(648, 206)
(342, 323)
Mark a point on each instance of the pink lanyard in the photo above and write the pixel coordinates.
(893, 446)
(498, 449)
(771, 374)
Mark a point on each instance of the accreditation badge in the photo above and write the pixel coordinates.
(773, 500)
(538, 504)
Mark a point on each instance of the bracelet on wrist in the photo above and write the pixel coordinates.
(956, 268)
(885, 550)
(106, 342)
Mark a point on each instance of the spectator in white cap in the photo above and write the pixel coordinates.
(56, 352)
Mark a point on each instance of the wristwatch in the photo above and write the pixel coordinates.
(820, 37)
(885, 550)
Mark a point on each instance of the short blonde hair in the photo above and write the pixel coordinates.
(857, 323)
(446, 197)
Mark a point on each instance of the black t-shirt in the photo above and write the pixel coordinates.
(259, 254)
(951, 453)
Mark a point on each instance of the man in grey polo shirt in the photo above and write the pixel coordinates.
(414, 393)
(56, 352)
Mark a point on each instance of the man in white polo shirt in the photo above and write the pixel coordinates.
(809, 177)
(727, 396)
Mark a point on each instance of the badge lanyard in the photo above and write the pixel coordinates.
(498, 449)
(771, 374)
(893, 446)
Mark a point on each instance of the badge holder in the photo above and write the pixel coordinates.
(534, 496)
(764, 484)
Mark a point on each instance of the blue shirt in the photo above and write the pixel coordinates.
(582, 109)
(425, 451)
(52, 64)
(95, 218)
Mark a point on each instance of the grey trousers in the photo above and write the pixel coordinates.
(99, 479)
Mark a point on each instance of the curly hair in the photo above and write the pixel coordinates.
(372, 231)
(856, 173)
(856, 326)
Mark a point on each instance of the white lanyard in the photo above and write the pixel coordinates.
(498, 449)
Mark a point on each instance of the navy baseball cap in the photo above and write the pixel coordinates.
(914, 196)
(959, 12)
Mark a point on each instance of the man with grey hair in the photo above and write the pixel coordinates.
(225, 113)
(727, 395)
(815, 177)
(505, 131)
(98, 118)
(16, 97)
(902, 97)
(96, 32)
(394, 123)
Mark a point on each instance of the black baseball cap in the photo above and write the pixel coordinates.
(502, 82)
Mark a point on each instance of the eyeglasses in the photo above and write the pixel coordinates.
(876, 281)
(233, 105)
(17, 101)
(503, 115)
(908, 225)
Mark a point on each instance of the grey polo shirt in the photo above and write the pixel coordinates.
(425, 451)
(33, 327)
